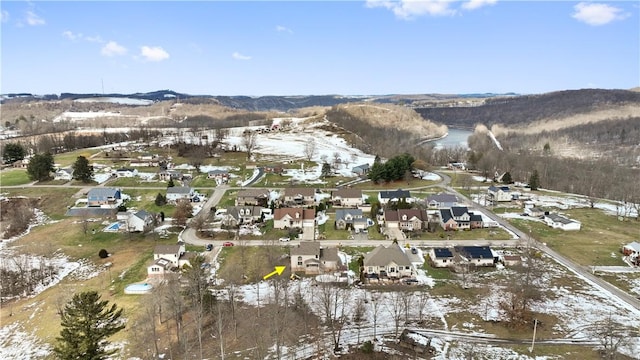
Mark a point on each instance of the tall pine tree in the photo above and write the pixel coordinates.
(534, 180)
(82, 170)
(87, 321)
(40, 167)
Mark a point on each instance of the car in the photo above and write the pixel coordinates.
(410, 281)
(283, 239)
(227, 243)
(414, 250)
(209, 247)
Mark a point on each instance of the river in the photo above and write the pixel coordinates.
(455, 137)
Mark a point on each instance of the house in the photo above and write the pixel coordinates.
(258, 197)
(314, 259)
(361, 170)
(104, 197)
(239, 215)
(167, 258)
(220, 176)
(440, 257)
(288, 218)
(475, 221)
(447, 221)
(406, 219)
(499, 193)
(126, 172)
(350, 219)
(140, 221)
(534, 211)
(441, 200)
(511, 260)
(299, 197)
(477, 255)
(65, 174)
(391, 262)
(560, 222)
(347, 197)
(631, 249)
(166, 175)
(176, 193)
(387, 196)
(272, 169)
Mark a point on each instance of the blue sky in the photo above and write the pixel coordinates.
(316, 48)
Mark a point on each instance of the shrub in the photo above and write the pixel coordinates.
(103, 254)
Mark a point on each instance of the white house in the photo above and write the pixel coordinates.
(441, 257)
(391, 262)
(171, 253)
(140, 221)
(176, 193)
(65, 174)
(347, 197)
(311, 258)
(560, 222)
(499, 193)
(126, 172)
(387, 196)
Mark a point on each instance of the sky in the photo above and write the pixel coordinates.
(373, 47)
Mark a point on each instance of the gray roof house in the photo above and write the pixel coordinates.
(361, 169)
(103, 196)
(441, 200)
(176, 193)
(391, 262)
(311, 258)
(350, 218)
(387, 196)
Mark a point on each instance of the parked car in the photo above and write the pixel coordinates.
(414, 250)
(410, 281)
(227, 243)
(209, 247)
(283, 239)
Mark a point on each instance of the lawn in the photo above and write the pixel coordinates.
(599, 240)
(135, 182)
(68, 158)
(145, 199)
(52, 201)
(475, 234)
(12, 177)
(394, 185)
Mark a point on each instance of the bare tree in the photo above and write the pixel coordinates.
(394, 308)
(375, 304)
(249, 141)
(423, 299)
(612, 337)
(310, 149)
(359, 313)
(522, 290)
(333, 302)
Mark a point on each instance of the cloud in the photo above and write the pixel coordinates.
(33, 19)
(476, 4)
(236, 55)
(280, 28)
(71, 36)
(409, 9)
(597, 14)
(153, 53)
(4, 16)
(112, 48)
(79, 36)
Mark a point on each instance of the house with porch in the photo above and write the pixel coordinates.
(406, 219)
(350, 219)
(477, 255)
(257, 197)
(312, 259)
(299, 197)
(288, 218)
(387, 262)
(104, 197)
(243, 214)
(347, 197)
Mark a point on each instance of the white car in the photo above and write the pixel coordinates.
(283, 239)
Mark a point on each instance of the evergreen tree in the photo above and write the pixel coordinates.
(40, 167)
(170, 183)
(326, 170)
(13, 152)
(87, 321)
(160, 200)
(82, 170)
(506, 178)
(534, 180)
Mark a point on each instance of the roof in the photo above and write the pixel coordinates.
(216, 172)
(179, 190)
(103, 192)
(306, 248)
(475, 217)
(560, 219)
(395, 194)
(382, 256)
(306, 214)
(329, 254)
(166, 249)
(293, 192)
(255, 193)
(446, 215)
(142, 214)
(342, 213)
(126, 169)
(397, 215)
(234, 211)
(459, 210)
(442, 253)
(498, 188)
(347, 193)
(634, 245)
(475, 252)
(360, 167)
(442, 198)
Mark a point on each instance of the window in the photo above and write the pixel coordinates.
(299, 260)
(370, 269)
(392, 269)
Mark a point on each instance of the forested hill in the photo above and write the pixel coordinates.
(511, 111)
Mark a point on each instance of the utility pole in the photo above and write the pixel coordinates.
(533, 341)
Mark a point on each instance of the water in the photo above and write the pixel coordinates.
(456, 137)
